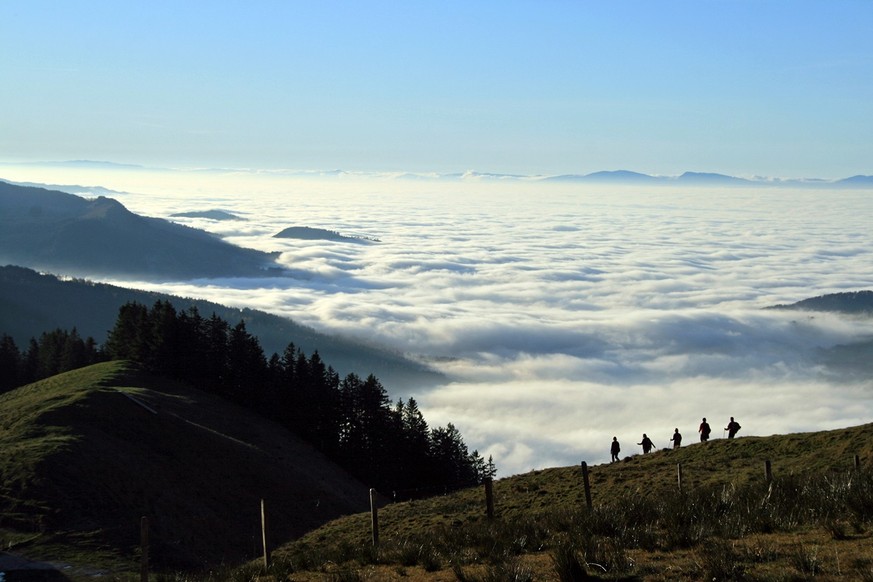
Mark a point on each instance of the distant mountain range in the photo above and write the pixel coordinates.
(705, 179)
(601, 177)
(64, 233)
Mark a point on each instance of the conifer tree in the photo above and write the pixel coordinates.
(126, 339)
(10, 364)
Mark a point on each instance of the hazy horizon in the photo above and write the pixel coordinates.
(563, 314)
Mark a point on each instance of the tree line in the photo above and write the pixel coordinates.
(54, 352)
(387, 445)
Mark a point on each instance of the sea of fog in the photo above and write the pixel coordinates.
(562, 314)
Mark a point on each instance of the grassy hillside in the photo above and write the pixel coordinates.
(85, 457)
(814, 518)
(87, 453)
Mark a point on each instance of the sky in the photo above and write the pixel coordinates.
(748, 88)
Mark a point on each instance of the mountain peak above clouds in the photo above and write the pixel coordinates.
(60, 232)
(859, 180)
(711, 177)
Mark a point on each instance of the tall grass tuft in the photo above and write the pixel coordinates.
(568, 564)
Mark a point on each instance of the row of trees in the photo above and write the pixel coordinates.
(351, 419)
(54, 352)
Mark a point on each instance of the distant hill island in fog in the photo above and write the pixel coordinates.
(210, 214)
(309, 233)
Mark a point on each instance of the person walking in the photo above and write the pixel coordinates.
(677, 439)
(614, 449)
(647, 444)
(704, 431)
(732, 428)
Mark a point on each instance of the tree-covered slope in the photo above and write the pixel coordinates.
(847, 302)
(31, 303)
(61, 232)
(855, 361)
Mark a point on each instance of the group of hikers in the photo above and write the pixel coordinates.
(705, 430)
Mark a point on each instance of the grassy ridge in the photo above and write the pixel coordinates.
(87, 458)
(728, 524)
(719, 462)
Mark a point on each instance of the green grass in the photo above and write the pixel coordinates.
(638, 514)
(84, 464)
(814, 519)
(29, 435)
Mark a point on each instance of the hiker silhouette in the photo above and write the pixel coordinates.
(647, 444)
(733, 427)
(614, 449)
(704, 431)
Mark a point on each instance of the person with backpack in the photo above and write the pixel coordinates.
(614, 449)
(704, 431)
(647, 444)
(732, 428)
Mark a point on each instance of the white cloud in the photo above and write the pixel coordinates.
(564, 314)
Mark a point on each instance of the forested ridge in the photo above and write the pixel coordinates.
(387, 445)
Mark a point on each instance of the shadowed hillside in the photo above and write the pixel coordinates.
(60, 232)
(87, 453)
(855, 360)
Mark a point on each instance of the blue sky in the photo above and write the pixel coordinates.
(540, 87)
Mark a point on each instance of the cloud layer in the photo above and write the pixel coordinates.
(564, 314)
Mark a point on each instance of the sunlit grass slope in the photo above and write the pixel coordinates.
(728, 522)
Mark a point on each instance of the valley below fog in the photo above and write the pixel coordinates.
(563, 314)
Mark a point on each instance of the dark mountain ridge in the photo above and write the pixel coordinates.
(60, 232)
(845, 302)
(854, 361)
(32, 303)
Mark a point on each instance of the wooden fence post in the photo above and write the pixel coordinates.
(768, 471)
(264, 535)
(489, 498)
(144, 548)
(587, 485)
(374, 516)
(679, 476)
